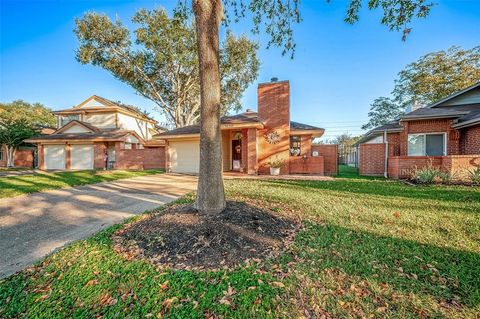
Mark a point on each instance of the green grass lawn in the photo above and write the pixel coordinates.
(23, 184)
(369, 248)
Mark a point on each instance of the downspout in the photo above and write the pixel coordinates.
(385, 174)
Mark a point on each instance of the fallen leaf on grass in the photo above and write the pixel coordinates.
(42, 297)
(108, 300)
(164, 285)
(278, 284)
(91, 282)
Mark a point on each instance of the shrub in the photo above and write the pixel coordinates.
(276, 162)
(474, 175)
(426, 175)
(430, 175)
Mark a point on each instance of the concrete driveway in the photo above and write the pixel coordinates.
(33, 226)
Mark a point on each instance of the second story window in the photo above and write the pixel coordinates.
(65, 119)
(295, 146)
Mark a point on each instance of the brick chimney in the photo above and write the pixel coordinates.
(274, 103)
(274, 110)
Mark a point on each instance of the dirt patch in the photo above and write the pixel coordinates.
(179, 237)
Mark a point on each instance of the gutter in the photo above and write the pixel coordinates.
(467, 123)
(385, 173)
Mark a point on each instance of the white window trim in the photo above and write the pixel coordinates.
(445, 144)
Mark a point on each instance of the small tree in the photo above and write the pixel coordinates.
(431, 78)
(162, 64)
(19, 121)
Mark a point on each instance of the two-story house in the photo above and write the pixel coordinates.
(99, 133)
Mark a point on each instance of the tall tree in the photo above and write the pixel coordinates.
(276, 18)
(20, 120)
(431, 78)
(162, 63)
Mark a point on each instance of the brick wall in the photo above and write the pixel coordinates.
(457, 165)
(431, 126)
(307, 165)
(274, 109)
(23, 158)
(372, 159)
(330, 157)
(470, 140)
(99, 149)
(404, 166)
(148, 158)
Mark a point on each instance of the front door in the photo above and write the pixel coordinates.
(236, 154)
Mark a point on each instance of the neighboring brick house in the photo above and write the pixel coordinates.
(251, 139)
(97, 134)
(445, 134)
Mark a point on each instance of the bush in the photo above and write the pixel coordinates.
(426, 175)
(430, 175)
(474, 175)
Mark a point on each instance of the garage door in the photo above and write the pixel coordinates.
(81, 156)
(54, 156)
(184, 156)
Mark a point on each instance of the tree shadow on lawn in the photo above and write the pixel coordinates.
(424, 276)
(391, 189)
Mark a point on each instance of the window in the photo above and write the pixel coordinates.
(426, 144)
(65, 119)
(128, 146)
(295, 146)
(1, 153)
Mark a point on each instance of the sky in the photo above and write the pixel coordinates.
(337, 71)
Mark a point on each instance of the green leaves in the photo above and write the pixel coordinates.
(20, 120)
(429, 79)
(161, 63)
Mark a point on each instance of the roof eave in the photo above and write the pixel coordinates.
(467, 123)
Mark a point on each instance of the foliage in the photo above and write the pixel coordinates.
(20, 120)
(430, 175)
(382, 111)
(276, 162)
(369, 248)
(474, 175)
(25, 184)
(162, 63)
(34, 115)
(345, 139)
(437, 75)
(431, 78)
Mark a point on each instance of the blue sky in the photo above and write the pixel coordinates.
(337, 72)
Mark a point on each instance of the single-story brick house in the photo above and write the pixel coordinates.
(252, 139)
(445, 134)
(98, 134)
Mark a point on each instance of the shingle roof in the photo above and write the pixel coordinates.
(104, 135)
(247, 117)
(444, 111)
(111, 103)
(301, 126)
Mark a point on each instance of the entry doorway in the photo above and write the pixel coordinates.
(236, 154)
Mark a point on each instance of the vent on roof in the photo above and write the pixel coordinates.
(249, 111)
(274, 79)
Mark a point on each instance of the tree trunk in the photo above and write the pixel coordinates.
(210, 192)
(10, 156)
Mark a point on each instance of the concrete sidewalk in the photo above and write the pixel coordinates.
(33, 226)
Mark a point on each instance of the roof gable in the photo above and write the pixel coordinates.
(94, 102)
(470, 95)
(76, 127)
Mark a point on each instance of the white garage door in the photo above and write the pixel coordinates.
(81, 156)
(184, 156)
(54, 156)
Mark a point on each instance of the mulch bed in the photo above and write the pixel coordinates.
(179, 237)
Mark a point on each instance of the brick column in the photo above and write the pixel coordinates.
(99, 155)
(245, 163)
(252, 151)
(40, 156)
(68, 157)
